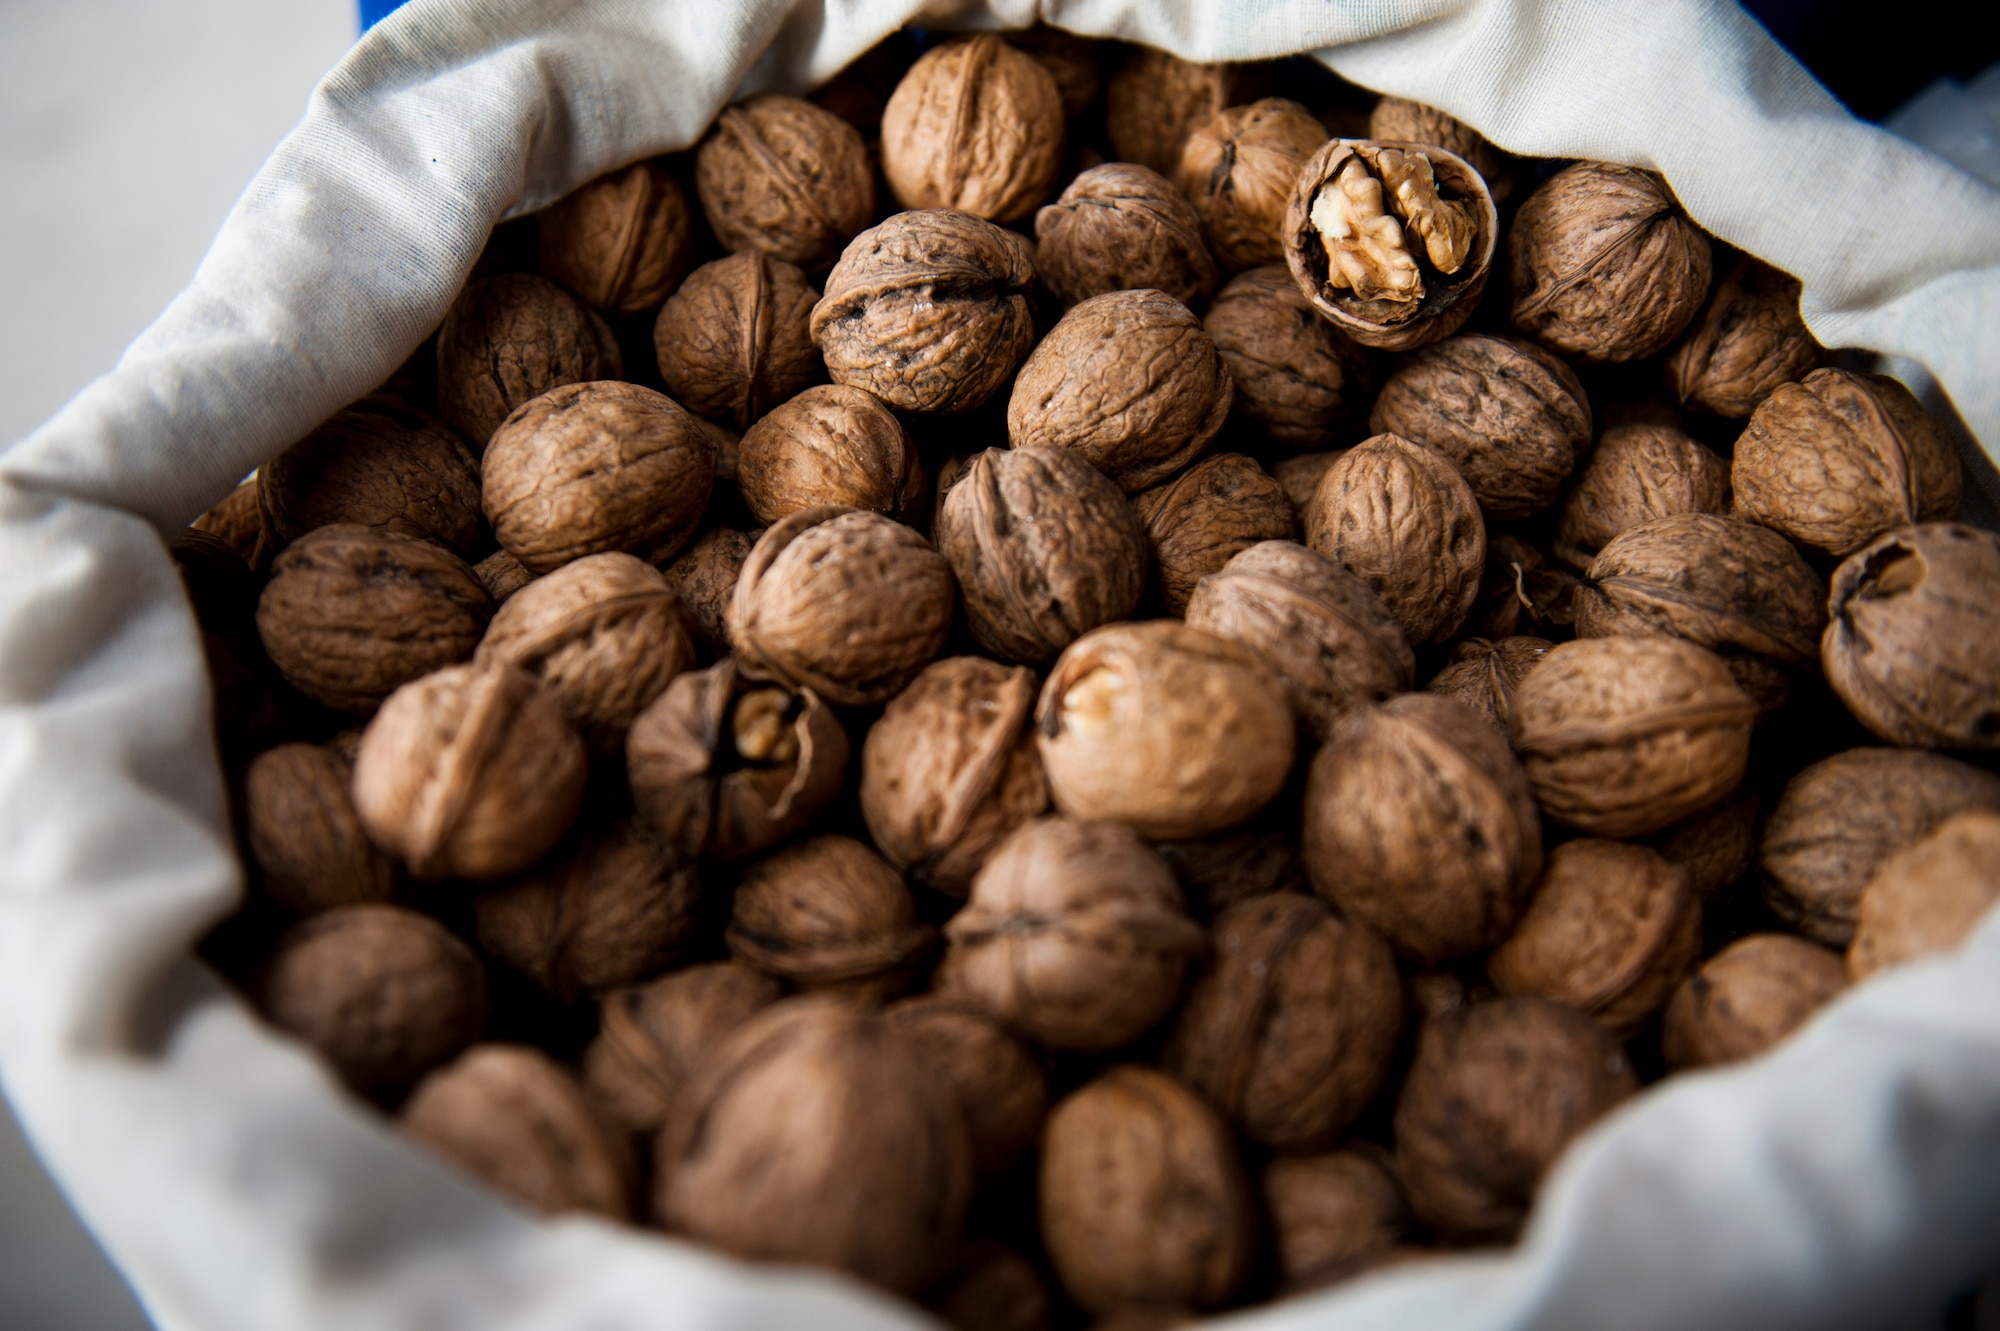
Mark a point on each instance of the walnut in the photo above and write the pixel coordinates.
(1127, 379)
(376, 465)
(1748, 341)
(1004, 1093)
(1074, 935)
(1044, 547)
(993, 1288)
(830, 445)
(1636, 474)
(1219, 870)
(1914, 646)
(1747, 998)
(1717, 846)
(1512, 418)
(781, 176)
(383, 993)
(1295, 374)
(1201, 519)
(1400, 517)
(1238, 168)
(1483, 675)
(1156, 100)
(1332, 1216)
(1838, 459)
(303, 834)
(1117, 227)
(858, 93)
(704, 576)
(1928, 897)
(728, 447)
(1070, 60)
(351, 613)
(651, 1038)
(1521, 590)
(509, 339)
(502, 575)
(1301, 476)
(737, 338)
(976, 126)
(1175, 731)
(1143, 1198)
(1400, 120)
(621, 241)
(470, 772)
(238, 520)
(828, 914)
(1604, 264)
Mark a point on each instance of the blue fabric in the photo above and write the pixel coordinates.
(374, 11)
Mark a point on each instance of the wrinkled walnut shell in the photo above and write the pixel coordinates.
(1483, 675)
(621, 241)
(502, 575)
(1636, 474)
(1004, 1093)
(1118, 227)
(1400, 120)
(704, 575)
(376, 465)
(1156, 100)
(652, 1038)
(781, 176)
(1748, 997)
(1238, 169)
(303, 834)
(830, 445)
(736, 339)
(1201, 519)
(1295, 375)
(977, 126)
(1332, 1216)
(509, 339)
(829, 914)
(1747, 342)
(1929, 897)
(1717, 846)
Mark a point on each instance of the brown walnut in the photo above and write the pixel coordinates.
(377, 465)
(1636, 474)
(830, 445)
(828, 914)
(237, 519)
(1201, 519)
(502, 575)
(858, 93)
(1747, 998)
(1400, 120)
(993, 1288)
(1070, 60)
(737, 339)
(1295, 375)
(1238, 168)
(622, 241)
(1156, 100)
(1220, 870)
(651, 1038)
(704, 576)
(977, 126)
(1334, 1215)
(1717, 846)
(509, 339)
(1118, 227)
(1301, 476)
(1483, 675)
(783, 177)
(303, 834)
(1929, 897)
(1003, 1091)
(1747, 342)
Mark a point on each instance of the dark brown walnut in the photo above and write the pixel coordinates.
(1604, 264)
(1289, 1027)
(1172, 730)
(377, 465)
(1334, 1215)
(728, 445)
(1638, 473)
(830, 445)
(1399, 517)
(785, 178)
(1218, 871)
(303, 834)
(1837, 459)
(1301, 476)
(1744, 592)
(1747, 998)
(1156, 100)
(596, 467)
(1929, 897)
(1484, 674)
(352, 613)
(1295, 376)
(828, 914)
(992, 1288)
(737, 338)
(1003, 1091)
(704, 576)
(1400, 120)
(502, 575)
(1130, 382)
(1121, 226)
(1434, 993)
(1914, 645)
(877, 1172)
(509, 339)
(622, 241)
(385, 994)
(652, 1037)
(1512, 418)
(1748, 341)
(1070, 60)
(1143, 1199)
(1322, 631)
(1201, 519)
(928, 311)
(1624, 736)
(516, 1120)
(977, 126)
(470, 772)
(858, 93)
(1419, 823)
(1074, 935)
(1716, 846)
(1522, 591)
(238, 519)
(1391, 242)
(1238, 168)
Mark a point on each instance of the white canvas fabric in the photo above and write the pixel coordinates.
(1852, 1179)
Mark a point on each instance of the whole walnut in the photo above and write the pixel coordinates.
(1928, 897)
(622, 241)
(1334, 1215)
(1074, 935)
(1295, 375)
(1400, 517)
(847, 603)
(977, 126)
(1636, 474)
(780, 176)
(652, 1037)
(830, 445)
(1302, 474)
(1201, 519)
(509, 339)
(352, 613)
(1130, 382)
(704, 576)
(303, 834)
(1172, 730)
(516, 1120)
(1483, 675)
(237, 519)
(1156, 100)
(1747, 342)
(1289, 1027)
(1122, 226)
(1070, 60)
(1747, 998)
(383, 993)
(1237, 169)
(469, 772)
(737, 338)
(877, 1171)
(596, 467)
(1913, 648)
(993, 1288)
(502, 575)
(1497, 1092)
(828, 914)
(1512, 418)
(1322, 631)
(377, 465)
(1604, 264)
(1003, 1091)
(1623, 736)
(1717, 846)
(1143, 1198)
(1221, 869)
(1837, 459)
(1400, 120)
(1044, 548)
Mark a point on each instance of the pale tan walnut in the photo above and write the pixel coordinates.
(1334, 1215)
(993, 1288)
(828, 914)
(1201, 519)
(517, 1121)
(1837, 459)
(1913, 648)
(1929, 897)
(1143, 1197)
(1238, 168)
(377, 465)
(1484, 674)
(1636, 474)
(1301, 476)
(502, 575)
(1070, 60)
(1003, 1091)
(976, 126)
(1121, 226)
(1156, 100)
(784, 177)
(383, 993)
(1400, 517)
(1174, 731)
(1747, 342)
(877, 1171)
(621, 241)
(303, 834)
(470, 772)
(1321, 630)
(737, 338)
(351, 614)
(1747, 998)
(1718, 845)
(1295, 375)
(652, 1037)
(704, 575)
(1075, 935)
(928, 311)
(508, 340)
(596, 467)
(830, 445)
(238, 520)
(1400, 120)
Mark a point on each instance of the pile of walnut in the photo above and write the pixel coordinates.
(1186, 750)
